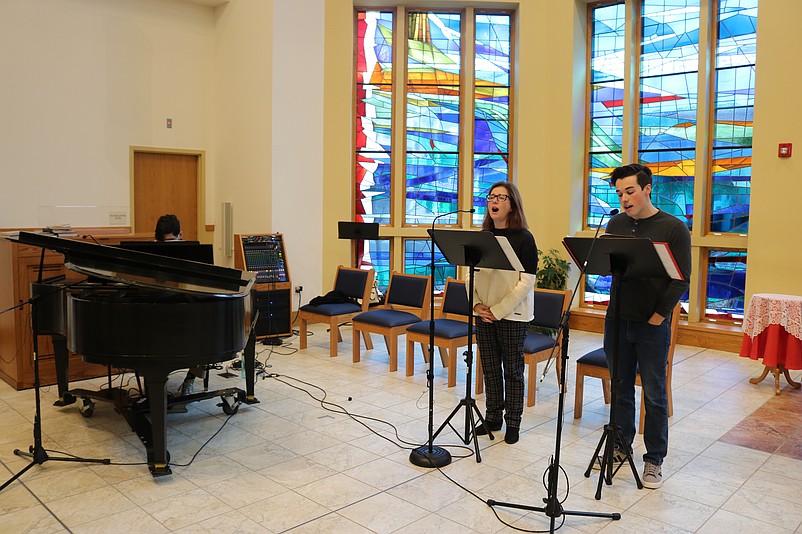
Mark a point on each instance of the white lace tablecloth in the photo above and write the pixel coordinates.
(769, 308)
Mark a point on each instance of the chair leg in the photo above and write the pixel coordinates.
(410, 357)
(303, 334)
(443, 355)
(670, 399)
(334, 338)
(531, 387)
(480, 376)
(355, 357)
(424, 347)
(392, 350)
(368, 341)
(642, 422)
(451, 356)
(579, 393)
(606, 390)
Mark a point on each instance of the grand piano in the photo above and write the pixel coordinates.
(151, 314)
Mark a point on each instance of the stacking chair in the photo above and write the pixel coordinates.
(594, 364)
(550, 305)
(405, 292)
(355, 283)
(450, 330)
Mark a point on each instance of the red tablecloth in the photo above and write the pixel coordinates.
(772, 330)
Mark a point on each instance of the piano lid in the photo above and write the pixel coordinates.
(143, 269)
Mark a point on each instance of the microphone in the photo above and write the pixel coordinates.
(472, 210)
(611, 213)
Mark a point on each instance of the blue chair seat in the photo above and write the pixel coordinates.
(332, 309)
(388, 318)
(537, 342)
(445, 328)
(598, 358)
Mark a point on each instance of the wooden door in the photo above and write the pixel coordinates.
(165, 182)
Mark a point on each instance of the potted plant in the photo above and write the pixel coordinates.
(553, 271)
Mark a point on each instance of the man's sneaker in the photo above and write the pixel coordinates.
(652, 475)
(619, 457)
(481, 430)
(187, 387)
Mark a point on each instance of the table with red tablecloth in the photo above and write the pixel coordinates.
(773, 331)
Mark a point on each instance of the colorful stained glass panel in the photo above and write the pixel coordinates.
(491, 107)
(418, 260)
(433, 114)
(734, 108)
(726, 284)
(373, 119)
(606, 88)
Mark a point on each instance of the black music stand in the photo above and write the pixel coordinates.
(356, 231)
(36, 452)
(623, 257)
(471, 249)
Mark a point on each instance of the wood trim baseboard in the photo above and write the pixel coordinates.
(707, 335)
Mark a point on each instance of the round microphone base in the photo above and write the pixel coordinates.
(425, 456)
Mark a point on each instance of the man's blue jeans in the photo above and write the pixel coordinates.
(642, 348)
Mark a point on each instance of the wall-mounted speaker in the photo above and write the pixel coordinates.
(228, 229)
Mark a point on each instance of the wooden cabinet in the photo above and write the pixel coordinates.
(19, 266)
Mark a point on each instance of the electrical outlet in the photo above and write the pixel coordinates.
(298, 289)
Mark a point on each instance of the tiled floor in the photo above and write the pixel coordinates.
(289, 464)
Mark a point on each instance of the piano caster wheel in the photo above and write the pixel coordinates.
(87, 407)
(230, 405)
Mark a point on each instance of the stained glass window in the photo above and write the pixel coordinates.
(666, 140)
(374, 76)
(433, 111)
(734, 106)
(418, 260)
(377, 257)
(669, 70)
(434, 182)
(606, 107)
(726, 280)
(491, 107)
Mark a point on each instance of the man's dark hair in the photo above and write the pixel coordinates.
(643, 173)
(167, 224)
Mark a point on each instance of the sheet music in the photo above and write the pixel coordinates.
(512, 257)
(670, 265)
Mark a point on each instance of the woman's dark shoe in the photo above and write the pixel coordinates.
(481, 430)
(511, 436)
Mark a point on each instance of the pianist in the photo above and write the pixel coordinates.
(168, 228)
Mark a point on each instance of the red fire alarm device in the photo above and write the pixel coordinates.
(784, 151)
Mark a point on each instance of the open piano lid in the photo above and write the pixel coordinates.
(143, 269)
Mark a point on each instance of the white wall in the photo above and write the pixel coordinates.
(298, 86)
(82, 80)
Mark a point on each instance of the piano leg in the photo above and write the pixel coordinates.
(158, 457)
(249, 358)
(62, 362)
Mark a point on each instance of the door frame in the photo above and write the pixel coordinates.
(203, 229)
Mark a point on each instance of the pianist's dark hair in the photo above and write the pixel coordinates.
(167, 224)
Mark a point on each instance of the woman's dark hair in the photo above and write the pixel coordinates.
(516, 220)
(167, 224)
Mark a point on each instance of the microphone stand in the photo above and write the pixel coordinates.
(428, 455)
(553, 506)
(36, 452)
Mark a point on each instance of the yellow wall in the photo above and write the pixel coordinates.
(775, 250)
